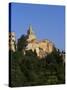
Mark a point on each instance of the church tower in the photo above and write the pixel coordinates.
(30, 34)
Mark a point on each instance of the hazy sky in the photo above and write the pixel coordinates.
(48, 21)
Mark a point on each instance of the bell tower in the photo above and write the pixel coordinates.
(30, 34)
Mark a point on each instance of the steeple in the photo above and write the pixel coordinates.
(30, 31)
(30, 34)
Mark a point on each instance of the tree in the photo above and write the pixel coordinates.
(29, 70)
(21, 42)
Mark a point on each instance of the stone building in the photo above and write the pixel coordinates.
(42, 47)
(30, 35)
(12, 41)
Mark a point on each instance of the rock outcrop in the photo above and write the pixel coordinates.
(42, 47)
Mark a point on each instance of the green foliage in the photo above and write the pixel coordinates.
(21, 43)
(29, 70)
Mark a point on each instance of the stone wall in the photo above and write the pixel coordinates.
(12, 41)
(41, 48)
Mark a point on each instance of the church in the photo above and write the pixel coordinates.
(42, 47)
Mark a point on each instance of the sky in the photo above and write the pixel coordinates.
(47, 21)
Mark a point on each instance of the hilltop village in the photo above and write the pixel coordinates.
(42, 47)
(35, 62)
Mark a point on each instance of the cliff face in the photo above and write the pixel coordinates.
(12, 41)
(42, 48)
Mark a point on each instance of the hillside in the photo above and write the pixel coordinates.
(30, 70)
